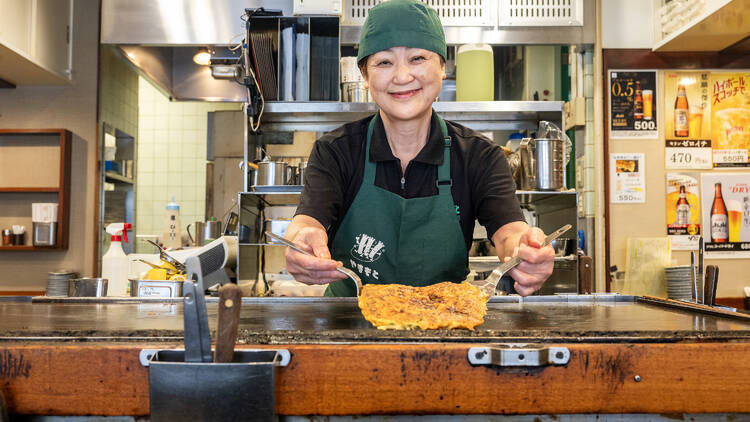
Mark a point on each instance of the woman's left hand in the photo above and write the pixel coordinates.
(537, 263)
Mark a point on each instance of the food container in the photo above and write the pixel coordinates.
(87, 287)
(155, 288)
(44, 234)
(270, 173)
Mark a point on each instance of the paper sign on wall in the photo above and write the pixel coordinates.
(632, 97)
(627, 178)
(726, 214)
(683, 210)
(730, 118)
(687, 133)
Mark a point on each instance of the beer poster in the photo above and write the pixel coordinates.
(687, 129)
(730, 118)
(627, 178)
(725, 202)
(632, 96)
(683, 210)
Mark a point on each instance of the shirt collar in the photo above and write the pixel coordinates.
(431, 153)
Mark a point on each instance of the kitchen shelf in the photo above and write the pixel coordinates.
(719, 25)
(49, 151)
(118, 177)
(29, 248)
(34, 189)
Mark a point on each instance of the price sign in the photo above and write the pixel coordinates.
(632, 97)
(688, 154)
(627, 178)
(730, 157)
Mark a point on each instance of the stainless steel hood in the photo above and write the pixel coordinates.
(160, 37)
(218, 22)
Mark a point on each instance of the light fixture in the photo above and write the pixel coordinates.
(202, 58)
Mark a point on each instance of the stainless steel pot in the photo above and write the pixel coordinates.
(270, 173)
(354, 92)
(301, 170)
(204, 232)
(87, 287)
(549, 155)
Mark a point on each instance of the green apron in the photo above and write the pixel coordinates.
(389, 239)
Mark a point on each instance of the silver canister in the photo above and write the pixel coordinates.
(87, 287)
(354, 92)
(549, 155)
(44, 234)
(270, 173)
(301, 170)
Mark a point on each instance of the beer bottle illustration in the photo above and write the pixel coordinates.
(638, 102)
(681, 113)
(683, 208)
(719, 217)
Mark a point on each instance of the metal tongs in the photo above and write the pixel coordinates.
(488, 285)
(164, 256)
(351, 274)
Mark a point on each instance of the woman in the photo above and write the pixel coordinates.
(394, 196)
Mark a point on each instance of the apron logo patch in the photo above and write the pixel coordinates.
(367, 248)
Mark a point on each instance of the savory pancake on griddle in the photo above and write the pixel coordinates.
(442, 305)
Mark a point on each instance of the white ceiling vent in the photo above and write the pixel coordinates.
(451, 12)
(541, 13)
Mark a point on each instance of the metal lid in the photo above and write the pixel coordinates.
(61, 272)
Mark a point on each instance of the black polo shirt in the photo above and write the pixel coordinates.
(483, 188)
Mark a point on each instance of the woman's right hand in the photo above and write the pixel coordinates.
(320, 269)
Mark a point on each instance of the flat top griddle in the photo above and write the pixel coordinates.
(606, 318)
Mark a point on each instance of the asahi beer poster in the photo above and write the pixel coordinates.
(627, 178)
(687, 129)
(632, 100)
(725, 202)
(730, 118)
(683, 210)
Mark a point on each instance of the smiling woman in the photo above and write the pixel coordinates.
(405, 182)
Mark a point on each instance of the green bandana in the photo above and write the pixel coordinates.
(401, 23)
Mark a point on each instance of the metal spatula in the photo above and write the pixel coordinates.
(488, 285)
(351, 274)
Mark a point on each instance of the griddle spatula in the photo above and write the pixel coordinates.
(488, 285)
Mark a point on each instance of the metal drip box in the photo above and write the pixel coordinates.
(205, 391)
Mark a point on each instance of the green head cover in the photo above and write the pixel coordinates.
(401, 23)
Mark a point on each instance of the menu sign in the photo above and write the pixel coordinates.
(687, 134)
(683, 210)
(627, 178)
(631, 104)
(726, 214)
(730, 118)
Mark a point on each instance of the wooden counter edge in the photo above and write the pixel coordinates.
(434, 378)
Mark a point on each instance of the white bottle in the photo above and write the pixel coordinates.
(115, 264)
(171, 236)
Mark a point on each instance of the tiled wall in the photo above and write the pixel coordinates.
(171, 158)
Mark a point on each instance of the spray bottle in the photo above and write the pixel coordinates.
(115, 264)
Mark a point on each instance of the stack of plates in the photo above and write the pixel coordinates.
(679, 282)
(57, 282)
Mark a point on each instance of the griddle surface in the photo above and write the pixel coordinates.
(279, 320)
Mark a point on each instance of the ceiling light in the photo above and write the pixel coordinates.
(202, 58)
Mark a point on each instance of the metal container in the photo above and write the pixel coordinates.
(87, 287)
(44, 234)
(241, 390)
(549, 157)
(155, 288)
(301, 170)
(270, 173)
(563, 246)
(354, 92)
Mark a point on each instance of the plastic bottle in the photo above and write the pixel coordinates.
(171, 236)
(475, 75)
(115, 264)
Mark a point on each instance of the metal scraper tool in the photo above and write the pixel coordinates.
(351, 274)
(488, 285)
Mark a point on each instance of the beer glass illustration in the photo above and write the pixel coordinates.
(696, 121)
(648, 104)
(734, 209)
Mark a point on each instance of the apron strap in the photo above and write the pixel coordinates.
(444, 181)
